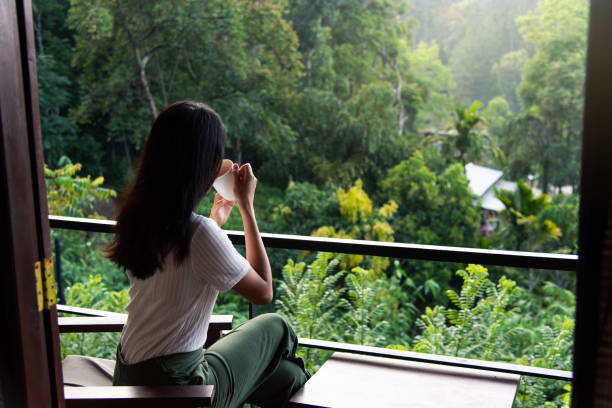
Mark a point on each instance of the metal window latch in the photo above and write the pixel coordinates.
(46, 291)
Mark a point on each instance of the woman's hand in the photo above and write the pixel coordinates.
(245, 183)
(221, 210)
(256, 285)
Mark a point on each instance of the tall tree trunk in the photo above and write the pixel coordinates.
(398, 95)
(236, 150)
(309, 68)
(545, 170)
(398, 89)
(126, 147)
(38, 30)
(162, 84)
(142, 62)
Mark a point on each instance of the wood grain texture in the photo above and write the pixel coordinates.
(348, 380)
(439, 253)
(603, 380)
(82, 311)
(492, 366)
(175, 396)
(28, 357)
(592, 386)
(115, 322)
(39, 192)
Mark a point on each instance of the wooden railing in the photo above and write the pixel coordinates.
(439, 253)
(534, 260)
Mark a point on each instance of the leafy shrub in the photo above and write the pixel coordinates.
(71, 195)
(81, 257)
(93, 294)
(501, 322)
(308, 297)
(356, 307)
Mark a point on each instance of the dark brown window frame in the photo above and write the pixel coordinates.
(30, 373)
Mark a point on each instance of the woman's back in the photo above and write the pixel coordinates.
(178, 262)
(169, 312)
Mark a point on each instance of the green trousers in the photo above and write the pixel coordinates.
(254, 363)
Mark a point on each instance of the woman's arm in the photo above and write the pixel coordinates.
(221, 210)
(256, 285)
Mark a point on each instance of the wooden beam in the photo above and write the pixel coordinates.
(438, 359)
(115, 323)
(592, 385)
(83, 311)
(377, 248)
(31, 371)
(175, 396)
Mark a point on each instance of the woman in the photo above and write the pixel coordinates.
(178, 262)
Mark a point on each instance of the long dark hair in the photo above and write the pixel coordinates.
(179, 163)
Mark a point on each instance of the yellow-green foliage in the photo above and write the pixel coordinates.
(355, 204)
(388, 210)
(522, 226)
(365, 223)
(71, 195)
(347, 261)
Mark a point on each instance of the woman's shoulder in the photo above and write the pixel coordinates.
(204, 226)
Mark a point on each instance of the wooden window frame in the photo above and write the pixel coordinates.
(31, 371)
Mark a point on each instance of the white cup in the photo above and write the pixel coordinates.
(224, 184)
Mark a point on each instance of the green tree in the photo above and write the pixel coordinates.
(311, 21)
(305, 208)
(360, 117)
(522, 228)
(432, 209)
(57, 88)
(508, 75)
(436, 82)
(473, 36)
(497, 116)
(552, 91)
(563, 211)
(360, 221)
(239, 56)
(71, 195)
(466, 143)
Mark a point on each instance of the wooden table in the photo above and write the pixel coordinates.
(350, 380)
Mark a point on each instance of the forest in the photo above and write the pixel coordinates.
(359, 117)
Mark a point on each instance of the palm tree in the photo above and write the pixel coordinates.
(522, 226)
(466, 143)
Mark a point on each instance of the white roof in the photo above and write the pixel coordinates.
(481, 178)
(506, 185)
(490, 202)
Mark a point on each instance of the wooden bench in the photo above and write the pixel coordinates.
(350, 380)
(175, 396)
(88, 379)
(101, 321)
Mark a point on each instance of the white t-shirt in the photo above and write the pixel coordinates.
(169, 312)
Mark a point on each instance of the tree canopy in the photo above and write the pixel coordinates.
(359, 118)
